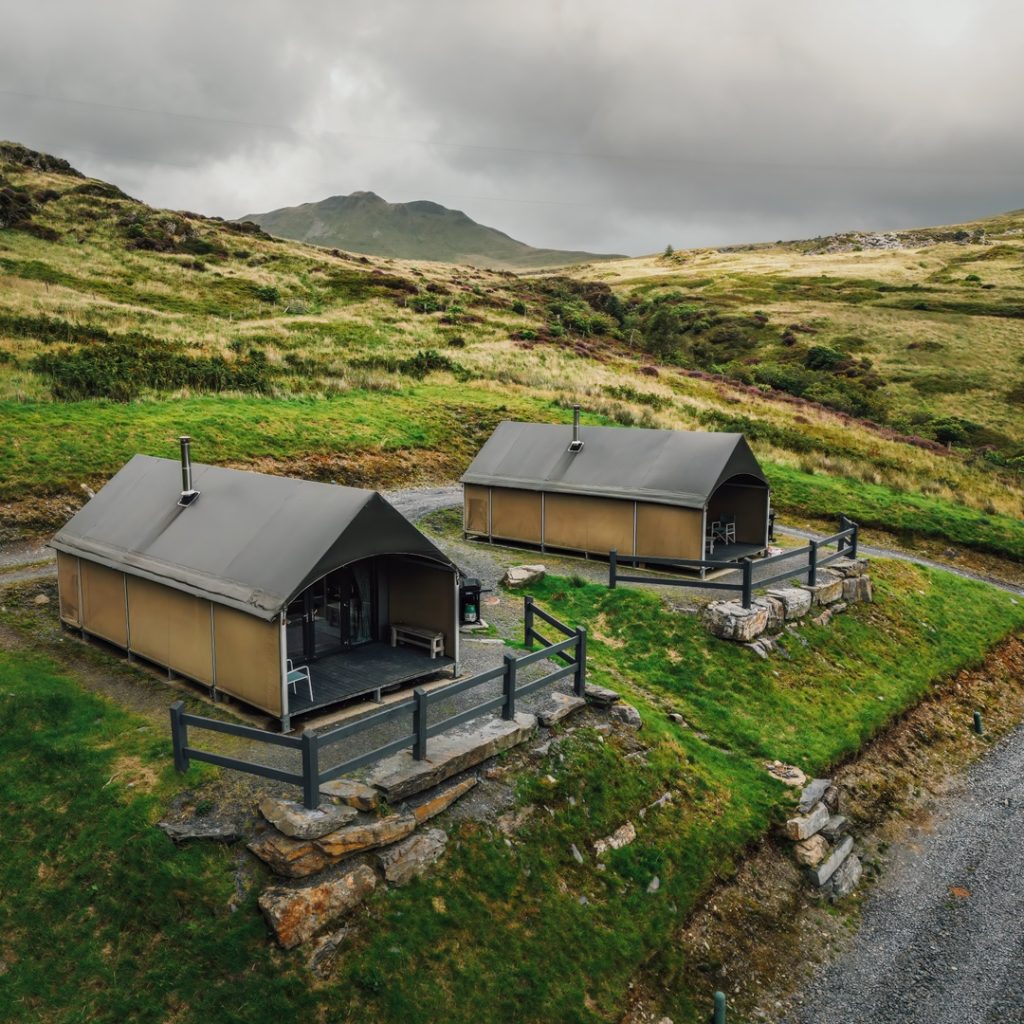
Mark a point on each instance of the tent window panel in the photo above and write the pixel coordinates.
(170, 628)
(475, 512)
(667, 531)
(67, 587)
(583, 523)
(248, 658)
(103, 607)
(515, 515)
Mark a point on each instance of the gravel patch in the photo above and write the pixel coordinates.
(942, 933)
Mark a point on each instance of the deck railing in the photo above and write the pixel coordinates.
(846, 547)
(572, 651)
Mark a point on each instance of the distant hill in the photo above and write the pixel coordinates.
(363, 222)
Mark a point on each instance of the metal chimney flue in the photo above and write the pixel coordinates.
(575, 444)
(188, 492)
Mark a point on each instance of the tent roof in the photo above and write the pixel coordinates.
(250, 540)
(669, 467)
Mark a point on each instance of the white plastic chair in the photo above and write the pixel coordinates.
(296, 675)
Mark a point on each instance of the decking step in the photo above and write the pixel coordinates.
(400, 775)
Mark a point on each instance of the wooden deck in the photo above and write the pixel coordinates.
(367, 669)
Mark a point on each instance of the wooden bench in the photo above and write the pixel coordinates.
(417, 637)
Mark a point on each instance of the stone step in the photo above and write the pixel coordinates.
(557, 707)
(401, 775)
(824, 871)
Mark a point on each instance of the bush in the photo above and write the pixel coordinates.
(267, 293)
(821, 357)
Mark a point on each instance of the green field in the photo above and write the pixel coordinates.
(105, 920)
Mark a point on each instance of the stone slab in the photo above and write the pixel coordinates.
(834, 827)
(441, 800)
(796, 601)
(849, 567)
(523, 575)
(211, 829)
(557, 707)
(824, 871)
(401, 775)
(829, 588)
(846, 877)
(600, 695)
(356, 838)
(729, 620)
(806, 825)
(402, 862)
(355, 794)
(296, 821)
(297, 914)
(813, 792)
(293, 858)
(858, 590)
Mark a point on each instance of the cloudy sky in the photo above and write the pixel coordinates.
(594, 124)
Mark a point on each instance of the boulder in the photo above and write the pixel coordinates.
(355, 794)
(813, 792)
(441, 800)
(40, 599)
(806, 825)
(823, 619)
(297, 914)
(293, 858)
(404, 861)
(355, 838)
(558, 706)
(762, 647)
(846, 877)
(858, 590)
(729, 620)
(829, 588)
(796, 601)
(600, 696)
(621, 837)
(296, 821)
(824, 871)
(830, 798)
(523, 575)
(811, 852)
(628, 715)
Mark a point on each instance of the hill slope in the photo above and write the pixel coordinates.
(363, 222)
(122, 326)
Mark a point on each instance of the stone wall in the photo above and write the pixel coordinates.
(844, 582)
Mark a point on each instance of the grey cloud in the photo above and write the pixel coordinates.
(574, 124)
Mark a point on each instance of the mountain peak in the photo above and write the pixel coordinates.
(419, 230)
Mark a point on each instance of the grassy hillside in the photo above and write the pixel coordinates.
(104, 920)
(122, 326)
(363, 222)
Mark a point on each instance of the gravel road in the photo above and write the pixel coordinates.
(942, 933)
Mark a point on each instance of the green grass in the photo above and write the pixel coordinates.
(898, 512)
(104, 920)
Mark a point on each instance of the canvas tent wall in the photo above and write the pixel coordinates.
(203, 589)
(641, 492)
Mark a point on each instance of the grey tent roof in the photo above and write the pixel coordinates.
(250, 540)
(669, 467)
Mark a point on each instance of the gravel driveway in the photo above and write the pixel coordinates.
(942, 933)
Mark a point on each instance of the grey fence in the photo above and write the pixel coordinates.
(846, 547)
(572, 651)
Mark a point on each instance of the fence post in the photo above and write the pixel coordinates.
(581, 662)
(853, 540)
(508, 711)
(748, 582)
(613, 567)
(419, 724)
(310, 770)
(844, 524)
(179, 735)
(812, 564)
(719, 1013)
(528, 622)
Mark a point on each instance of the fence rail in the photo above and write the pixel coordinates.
(846, 547)
(572, 651)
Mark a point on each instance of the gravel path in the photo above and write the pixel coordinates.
(942, 933)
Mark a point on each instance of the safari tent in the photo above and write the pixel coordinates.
(655, 493)
(239, 580)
